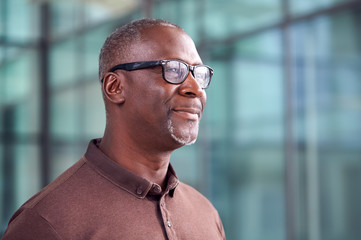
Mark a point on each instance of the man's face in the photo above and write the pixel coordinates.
(161, 114)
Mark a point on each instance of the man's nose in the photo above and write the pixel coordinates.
(190, 87)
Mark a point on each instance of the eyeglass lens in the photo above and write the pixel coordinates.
(177, 72)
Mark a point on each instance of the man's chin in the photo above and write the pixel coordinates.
(184, 141)
(186, 135)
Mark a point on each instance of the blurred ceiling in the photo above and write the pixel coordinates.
(114, 7)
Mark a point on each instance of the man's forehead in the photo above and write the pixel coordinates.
(160, 42)
(162, 33)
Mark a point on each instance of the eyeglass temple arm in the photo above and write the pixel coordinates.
(134, 66)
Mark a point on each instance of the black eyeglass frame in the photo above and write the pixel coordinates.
(148, 64)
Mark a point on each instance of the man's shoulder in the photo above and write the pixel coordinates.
(197, 208)
(54, 185)
(40, 199)
(34, 207)
(193, 195)
(31, 226)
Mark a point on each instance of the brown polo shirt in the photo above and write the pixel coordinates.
(96, 198)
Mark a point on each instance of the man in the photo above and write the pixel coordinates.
(153, 84)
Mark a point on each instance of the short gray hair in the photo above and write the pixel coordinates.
(117, 44)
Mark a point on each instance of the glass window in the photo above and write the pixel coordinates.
(63, 156)
(66, 17)
(27, 172)
(257, 132)
(94, 112)
(2, 127)
(183, 13)
(189, 19)
(27, 117)
(259, 89)
(92, 43)
(244, 129)
(2, 54)
(167, 10)
(238, 159)
(2, 187)
(99, 11)
(20, 71)
(21, 21)
(65, 117)
(306, 6)
(21, 88)
(216, 114)
(21, 177)
(2, 18)
(65, 62)
(326, 68)
(225, 18)
(95, 12)
(2, 75)
(188, 163)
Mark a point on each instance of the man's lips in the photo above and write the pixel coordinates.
(190, 113)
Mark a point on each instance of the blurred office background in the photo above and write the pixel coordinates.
(279, 151)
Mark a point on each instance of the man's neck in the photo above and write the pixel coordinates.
(151, 165)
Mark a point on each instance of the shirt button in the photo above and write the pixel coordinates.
(157, 189)
(139, 191)
(169, 223)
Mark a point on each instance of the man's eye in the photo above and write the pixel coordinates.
(172, 70)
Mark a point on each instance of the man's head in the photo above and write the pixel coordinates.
(152, 106)
(118, 45)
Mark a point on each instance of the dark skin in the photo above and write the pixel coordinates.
(141, 106)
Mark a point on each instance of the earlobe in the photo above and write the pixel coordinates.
(113, 89)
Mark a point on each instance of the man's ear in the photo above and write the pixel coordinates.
(113, 88)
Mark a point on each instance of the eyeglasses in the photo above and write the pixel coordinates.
(174, 71)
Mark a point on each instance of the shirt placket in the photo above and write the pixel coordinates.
(166, 217)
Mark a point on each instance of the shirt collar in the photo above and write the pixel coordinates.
(125, 179)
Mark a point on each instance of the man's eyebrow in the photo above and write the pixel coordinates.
(182, 60)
